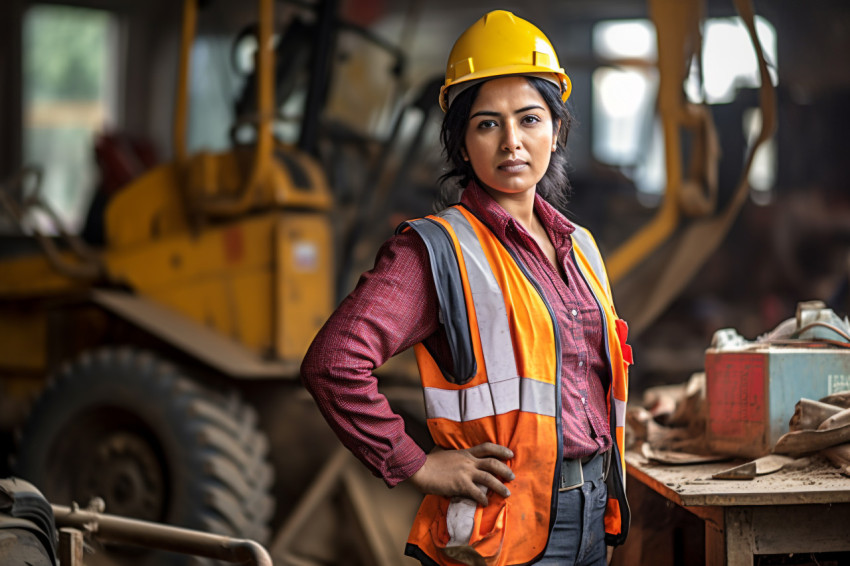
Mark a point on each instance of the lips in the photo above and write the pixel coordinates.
(512, 165)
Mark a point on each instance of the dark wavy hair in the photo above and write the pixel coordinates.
(554, 186)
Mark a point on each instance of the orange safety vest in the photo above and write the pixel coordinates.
(505, 388)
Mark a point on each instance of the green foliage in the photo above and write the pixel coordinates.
(65, 52)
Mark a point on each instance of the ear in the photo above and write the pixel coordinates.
(464, 154)
(555, 137)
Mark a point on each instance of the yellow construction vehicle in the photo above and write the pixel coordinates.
(173, 351)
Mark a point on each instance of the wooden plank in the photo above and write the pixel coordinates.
(740, 543)
(786, 529)
(650, 477)
(791, 511)
(661, 534)
(692, 485)
(322, 489)
(70, 546)
(715, 543)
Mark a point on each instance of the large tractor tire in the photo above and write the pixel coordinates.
(126, 426)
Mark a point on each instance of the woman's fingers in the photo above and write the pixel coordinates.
(465, 472)
(478, 493)
(492, 483)
(491, 449)
(495, 467)
(487, 458)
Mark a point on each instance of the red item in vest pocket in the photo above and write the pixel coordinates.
(623, 334)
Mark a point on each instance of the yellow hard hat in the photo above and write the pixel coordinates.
(500, 44)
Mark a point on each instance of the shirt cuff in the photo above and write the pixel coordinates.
(406, 459)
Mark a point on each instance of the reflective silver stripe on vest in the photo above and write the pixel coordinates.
(584, 241)
(504, 391)
(487, 300)
(490, 399)
(620, 411)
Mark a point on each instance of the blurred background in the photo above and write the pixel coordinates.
(123, 127)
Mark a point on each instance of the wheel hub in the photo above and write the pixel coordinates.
(125, 471)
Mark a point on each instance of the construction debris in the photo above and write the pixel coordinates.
(672, 425)
(809, 414)
(758, 467)
(819, 426)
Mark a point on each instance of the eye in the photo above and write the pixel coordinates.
(486, 124)
(530, 119)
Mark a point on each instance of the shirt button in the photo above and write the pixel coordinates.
(580, 363)
(573, 312)
(583, 401)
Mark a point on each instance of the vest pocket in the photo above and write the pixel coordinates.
(470, 534)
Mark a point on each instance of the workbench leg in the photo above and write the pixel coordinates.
(740, 542)
(715, 543)
(70, 547)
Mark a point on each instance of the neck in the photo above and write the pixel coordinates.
(518, 205)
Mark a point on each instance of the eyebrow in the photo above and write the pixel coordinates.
(492, 113)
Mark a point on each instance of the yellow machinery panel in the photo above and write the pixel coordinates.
(33, 276)
(150, 207)
(264, 281)
(23, 333)
(303, 291)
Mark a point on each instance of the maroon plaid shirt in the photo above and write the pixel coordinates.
(394, 306)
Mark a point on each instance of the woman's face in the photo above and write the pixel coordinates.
(509, 138)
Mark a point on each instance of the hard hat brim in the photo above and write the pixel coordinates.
(493, 73)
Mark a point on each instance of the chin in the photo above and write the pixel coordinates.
(515, 188)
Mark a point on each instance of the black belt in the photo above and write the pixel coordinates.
(574, 472)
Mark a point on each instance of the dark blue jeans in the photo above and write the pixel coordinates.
(579, 534)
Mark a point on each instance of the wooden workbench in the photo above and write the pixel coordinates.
(803, 510)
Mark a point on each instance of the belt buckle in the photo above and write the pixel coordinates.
(576, 481)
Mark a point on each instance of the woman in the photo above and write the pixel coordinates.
(522, 358)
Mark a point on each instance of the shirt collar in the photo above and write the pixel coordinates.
(499, 221)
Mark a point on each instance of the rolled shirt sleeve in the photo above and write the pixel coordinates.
(393, 307)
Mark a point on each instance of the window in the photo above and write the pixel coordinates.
(69, 84)
(729, 61)
(626, 131)
(624, 104)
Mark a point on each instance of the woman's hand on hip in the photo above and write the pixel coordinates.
(451, 473)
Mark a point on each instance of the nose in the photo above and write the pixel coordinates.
(510, 140)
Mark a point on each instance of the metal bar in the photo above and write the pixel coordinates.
(164, 537)
(322, 488)
(264, 147)
(89, 265)
(181, 110)
(323, 49)
(368, 516)
(676, 23)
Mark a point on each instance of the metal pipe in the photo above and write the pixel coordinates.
(675, 24)
(323, 485)
(89, 265)
(261, 165)
(323, 50)
(164, 537)
(181, 110)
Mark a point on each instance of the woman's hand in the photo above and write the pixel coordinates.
(451, 473)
